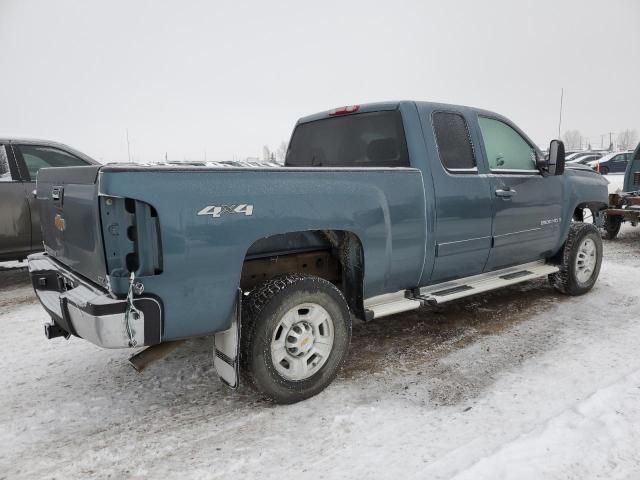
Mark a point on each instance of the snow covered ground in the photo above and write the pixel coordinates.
(616, 182)
(522, 384)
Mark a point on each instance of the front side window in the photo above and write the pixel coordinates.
(5, 173)
(37, 157)
(506, 149)
(454, 143)
(374, 139)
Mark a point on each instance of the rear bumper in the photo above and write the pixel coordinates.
(82, 309)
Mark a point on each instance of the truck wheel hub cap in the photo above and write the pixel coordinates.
(302, 341)
(586, 260)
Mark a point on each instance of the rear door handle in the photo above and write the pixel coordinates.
(505, 193)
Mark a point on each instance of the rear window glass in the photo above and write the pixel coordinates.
(363, 140)
(454, 144)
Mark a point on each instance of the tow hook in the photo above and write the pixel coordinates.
(51, 330)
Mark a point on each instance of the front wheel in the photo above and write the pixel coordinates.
(604, 170)
(581, 258)
(296, 334)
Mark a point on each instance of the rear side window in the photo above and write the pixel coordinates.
(454, 143)
(37, 157)
(362, 140)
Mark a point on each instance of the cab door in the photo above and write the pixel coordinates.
(526, 204)
(15, 218)
(461, 237)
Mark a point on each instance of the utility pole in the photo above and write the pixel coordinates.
(560, 121)
(611, 141)
(128, 147)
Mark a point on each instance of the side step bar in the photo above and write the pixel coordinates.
(389, 304)
(405, 300)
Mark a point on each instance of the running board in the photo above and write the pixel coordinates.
(390, 303)
(406, 300)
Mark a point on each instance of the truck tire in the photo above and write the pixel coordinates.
(611, 226)
(295, 336)
(580, 260)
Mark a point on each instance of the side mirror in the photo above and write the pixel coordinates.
(555, 165)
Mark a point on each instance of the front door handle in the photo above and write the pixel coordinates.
(505, 193)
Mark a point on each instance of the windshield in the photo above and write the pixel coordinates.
(608, 157)
(362, 140)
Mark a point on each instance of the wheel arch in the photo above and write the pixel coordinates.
(335, 255)
(594, 206)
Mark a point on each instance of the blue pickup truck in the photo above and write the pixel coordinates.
(379, 209)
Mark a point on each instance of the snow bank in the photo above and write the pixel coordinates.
(521, 384)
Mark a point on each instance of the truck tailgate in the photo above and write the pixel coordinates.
(70, 219)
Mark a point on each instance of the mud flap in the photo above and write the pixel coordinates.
(226, 349)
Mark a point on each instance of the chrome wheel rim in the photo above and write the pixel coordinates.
(586, 260)
(302, 341)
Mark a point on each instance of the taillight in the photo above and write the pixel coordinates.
(131, 233)
(344, 110)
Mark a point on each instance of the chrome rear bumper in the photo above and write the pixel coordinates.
(80, 308)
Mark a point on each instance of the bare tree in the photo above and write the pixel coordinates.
(573, 139)
(266, 153)
(281, 152)
(627, 139)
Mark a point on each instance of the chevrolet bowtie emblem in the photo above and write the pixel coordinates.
(59, 222)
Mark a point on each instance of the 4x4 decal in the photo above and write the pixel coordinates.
(217, 211)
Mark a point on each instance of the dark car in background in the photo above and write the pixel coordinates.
(615, 162)
(585, 159)
(20, 161)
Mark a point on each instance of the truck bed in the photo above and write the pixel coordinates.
(203, 249)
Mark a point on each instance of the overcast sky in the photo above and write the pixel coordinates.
(187, 77)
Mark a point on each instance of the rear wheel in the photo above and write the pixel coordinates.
(611, 226)
(296, 334)
(581, 258)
